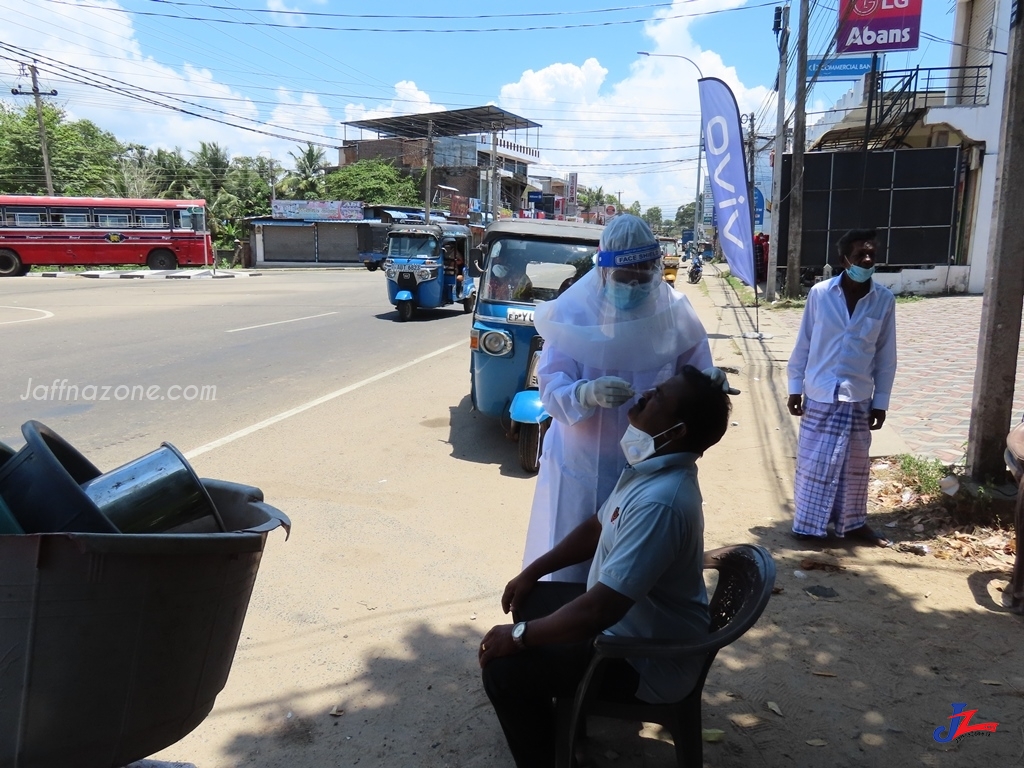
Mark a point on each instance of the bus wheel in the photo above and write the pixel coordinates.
(10, 264)
(162, 259)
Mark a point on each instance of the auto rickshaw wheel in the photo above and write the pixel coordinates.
(469, 304)
(405, 310)
(531, 445)
(371, 266)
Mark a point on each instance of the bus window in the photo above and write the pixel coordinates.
(69, 217)
(25, 216)
(113, 217)
(182, 219)
(151, 218)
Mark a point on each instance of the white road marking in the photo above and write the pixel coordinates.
(314, 403)
(43, 315)
(279, 322)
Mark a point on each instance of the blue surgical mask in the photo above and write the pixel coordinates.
(859, 274)
(628, 295)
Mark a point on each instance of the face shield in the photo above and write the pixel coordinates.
(630, 277)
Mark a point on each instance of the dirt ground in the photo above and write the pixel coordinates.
(409, 516)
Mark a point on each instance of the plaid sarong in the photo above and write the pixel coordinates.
(832, 467)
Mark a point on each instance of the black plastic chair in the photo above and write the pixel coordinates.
(746, 574)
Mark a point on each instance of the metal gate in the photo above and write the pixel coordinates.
(911, 196)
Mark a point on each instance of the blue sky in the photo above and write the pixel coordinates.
(622, 121)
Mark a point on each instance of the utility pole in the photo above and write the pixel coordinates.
(428, 161)
(494, 193)
(782, 35)
(42, 125)
(796, 188)
(999, 335)
(751, 160)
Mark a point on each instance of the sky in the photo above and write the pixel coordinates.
(266, 80)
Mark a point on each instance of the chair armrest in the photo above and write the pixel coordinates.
(611, 647)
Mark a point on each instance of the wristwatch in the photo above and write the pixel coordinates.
(519, 634)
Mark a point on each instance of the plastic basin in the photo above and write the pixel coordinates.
(115, 646)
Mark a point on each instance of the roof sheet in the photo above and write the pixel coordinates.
(453, 122)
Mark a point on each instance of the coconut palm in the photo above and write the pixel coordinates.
(306, 182)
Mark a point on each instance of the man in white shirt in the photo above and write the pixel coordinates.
(840, 378)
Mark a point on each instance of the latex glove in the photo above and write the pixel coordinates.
(605, 392)
(719, 379)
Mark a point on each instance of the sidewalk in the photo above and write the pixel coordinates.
(866, 676)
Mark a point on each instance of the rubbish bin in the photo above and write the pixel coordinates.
(114, 646)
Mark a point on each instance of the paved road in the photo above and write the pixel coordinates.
(322, 332)
(937, 341)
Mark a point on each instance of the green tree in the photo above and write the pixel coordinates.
(374, 182)
(133, 175)
(633, 209)
(82, 157)
(210, 166)
(173, 174)
(306, 182)
(653, 217)
(248, 182)
(684, 217)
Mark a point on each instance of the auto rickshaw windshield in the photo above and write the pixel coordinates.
(412, 246)
(528, 271)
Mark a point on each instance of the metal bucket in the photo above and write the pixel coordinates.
(153, 493)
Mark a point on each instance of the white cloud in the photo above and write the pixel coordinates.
(408, 100)
(590, 123)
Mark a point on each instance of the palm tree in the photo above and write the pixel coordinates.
(306, 182)
(210, 166)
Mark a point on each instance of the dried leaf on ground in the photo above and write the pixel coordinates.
(778, 711)
(822, 673)
(817, 742)
(815, 564)
(712, 735)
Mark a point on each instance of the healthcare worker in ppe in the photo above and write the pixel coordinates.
(615, 333)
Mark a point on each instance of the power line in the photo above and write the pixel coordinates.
(277, 25)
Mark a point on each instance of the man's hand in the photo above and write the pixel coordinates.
(516, 591)
(606, 392)
(795, 404)
(497, 643)
(877, 418)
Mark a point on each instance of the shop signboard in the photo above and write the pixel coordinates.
(317, 210)
(875, 26)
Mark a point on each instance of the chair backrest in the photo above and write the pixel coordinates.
(746, 575)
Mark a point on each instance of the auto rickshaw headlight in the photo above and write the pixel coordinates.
(391, 273)
(424, 274)
(496, 343)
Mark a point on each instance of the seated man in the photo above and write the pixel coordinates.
(453, 266)
(646, 579)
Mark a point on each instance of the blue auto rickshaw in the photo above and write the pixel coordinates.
(521, 262)
(426, 268)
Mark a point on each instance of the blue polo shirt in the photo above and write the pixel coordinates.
(652, 550)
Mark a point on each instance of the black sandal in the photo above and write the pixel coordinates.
(865, 534)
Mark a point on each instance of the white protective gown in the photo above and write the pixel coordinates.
(585, 337)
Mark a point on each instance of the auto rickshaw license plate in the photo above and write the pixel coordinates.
(520, 316)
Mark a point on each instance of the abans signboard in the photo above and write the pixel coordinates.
(873, 26)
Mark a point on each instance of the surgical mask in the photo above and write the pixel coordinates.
(628, 295)
(859, 274)
(637, 445)
(499, 270)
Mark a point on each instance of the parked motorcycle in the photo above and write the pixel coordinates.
(696, 271)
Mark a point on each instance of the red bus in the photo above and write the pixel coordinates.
(92, 231)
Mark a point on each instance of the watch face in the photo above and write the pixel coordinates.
(518, 630)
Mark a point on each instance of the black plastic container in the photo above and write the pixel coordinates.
(42, 482)
(116, 646)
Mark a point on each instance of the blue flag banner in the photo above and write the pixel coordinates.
(727, 169)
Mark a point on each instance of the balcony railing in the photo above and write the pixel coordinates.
(936, 86)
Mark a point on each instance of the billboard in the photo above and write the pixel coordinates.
(459, 207)
(874, 26)
(570, 193)
(317, 210)
(834, 69)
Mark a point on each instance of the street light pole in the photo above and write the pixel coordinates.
(700, 142)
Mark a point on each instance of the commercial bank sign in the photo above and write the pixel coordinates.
(874, 26)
